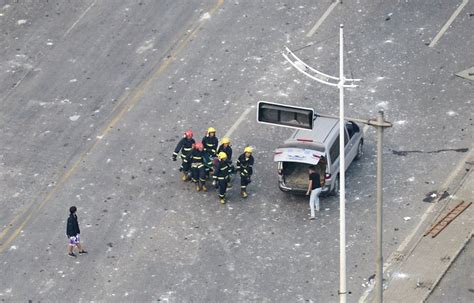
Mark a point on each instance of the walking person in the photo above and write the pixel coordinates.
(221, 176)
(314, 189)
(226, 148)
(198, 172)
(210, 143)
(185, 146)
(73, 232)
(245, 167)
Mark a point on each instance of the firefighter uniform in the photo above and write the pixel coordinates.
(185, 146)
(227, 150)
(245, 167)
(221, 176)
(198, 173)
(210, 145)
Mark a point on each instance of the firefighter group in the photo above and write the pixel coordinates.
(207, 159)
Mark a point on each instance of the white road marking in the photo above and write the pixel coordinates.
(321, 20)
(80, 18)
(408, 239)
(237, 123)
(448, 24)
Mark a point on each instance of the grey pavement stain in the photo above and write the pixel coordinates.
(406, 152)
(432, 195)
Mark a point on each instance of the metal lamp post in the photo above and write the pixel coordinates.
(379, 124)
(340, 83)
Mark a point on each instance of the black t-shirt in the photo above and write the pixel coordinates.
(316, 180)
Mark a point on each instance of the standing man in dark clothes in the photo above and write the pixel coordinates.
(314, 189)
(72, 232)
(245, 166)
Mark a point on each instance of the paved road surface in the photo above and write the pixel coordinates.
(95, 95)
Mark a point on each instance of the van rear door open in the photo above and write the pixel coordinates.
(299, 155)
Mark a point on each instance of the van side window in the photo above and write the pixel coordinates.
(352, 128)
(334, 150)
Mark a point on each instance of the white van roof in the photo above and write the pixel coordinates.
(321, 129)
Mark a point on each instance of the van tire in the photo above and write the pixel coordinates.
(335, 188)
(360, 150)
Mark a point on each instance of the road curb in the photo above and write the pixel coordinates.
(399, 257)
(440, 277)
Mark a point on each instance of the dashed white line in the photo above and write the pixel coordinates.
(321, 20)
(80, 18)
(448, 24)
(237, 123)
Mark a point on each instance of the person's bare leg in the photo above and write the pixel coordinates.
(79, 247)
(69, 249)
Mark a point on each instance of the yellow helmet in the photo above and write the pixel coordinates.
(222, 156)
(225, 140)
(211, 130)
(248, 149)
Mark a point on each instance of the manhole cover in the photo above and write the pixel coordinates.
(467, 74)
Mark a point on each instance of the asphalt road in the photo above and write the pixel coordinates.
(94, 96)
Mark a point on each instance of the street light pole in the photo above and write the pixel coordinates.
(340, 82)
(379, 255)
(342, 176)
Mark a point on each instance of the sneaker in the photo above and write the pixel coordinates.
(312, 218)
(82, 252)
(72, 255)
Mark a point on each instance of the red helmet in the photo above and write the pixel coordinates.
(199, 146)
(188, 133)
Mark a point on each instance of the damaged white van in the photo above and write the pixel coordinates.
(320, 147)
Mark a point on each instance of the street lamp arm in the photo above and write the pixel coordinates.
(309, 67)
(308, 75)
(314, 70)
(371, 122)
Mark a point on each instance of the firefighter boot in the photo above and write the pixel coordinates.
(222, 200)
(198, 188)
(244, 194)
(185, 176)
(204, 188)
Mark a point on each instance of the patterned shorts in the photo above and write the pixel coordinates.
(73, 241)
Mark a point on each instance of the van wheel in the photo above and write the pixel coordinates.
(335, 188)
(360, 150)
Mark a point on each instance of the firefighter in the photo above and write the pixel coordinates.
(226, 148)
(197, 160)
(185, 146)
(210, 143)
(221, 175)
(245, 166)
